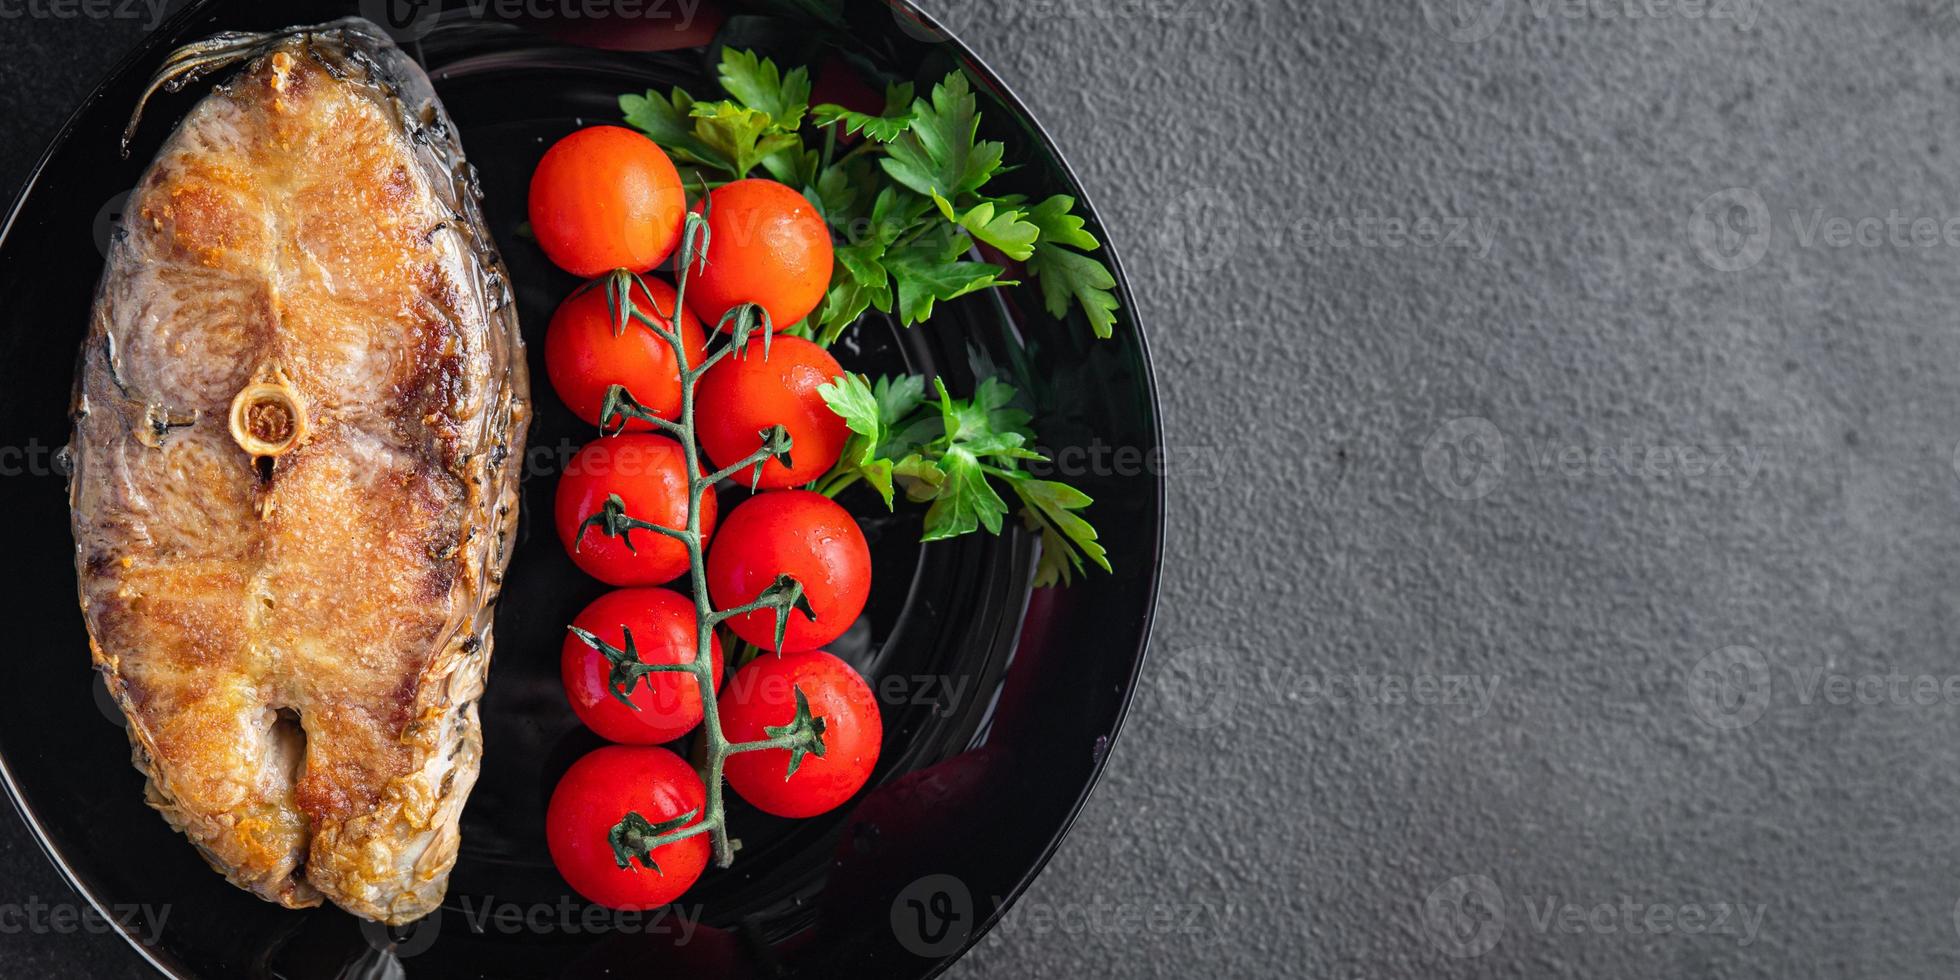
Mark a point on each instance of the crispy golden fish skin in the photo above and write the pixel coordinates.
(299, 418)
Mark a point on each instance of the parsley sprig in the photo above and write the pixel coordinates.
(907, 202)
(952, 452)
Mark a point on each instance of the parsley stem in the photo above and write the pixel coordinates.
(836, 483)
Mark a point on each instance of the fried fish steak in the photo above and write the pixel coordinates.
(298, 416)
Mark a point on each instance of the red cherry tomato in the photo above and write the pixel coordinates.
(649, 474)
(740, 397)
(762, 695)
(606, 198)
(796, 533)
(767, 245)
(668, 703)
(584, 357)
(595, 794)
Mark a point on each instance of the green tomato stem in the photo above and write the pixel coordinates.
(719, 748)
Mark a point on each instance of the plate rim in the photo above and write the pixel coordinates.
(160, 958)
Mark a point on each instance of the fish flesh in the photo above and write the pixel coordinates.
(298, 416)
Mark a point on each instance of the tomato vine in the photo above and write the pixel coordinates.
(634, 838)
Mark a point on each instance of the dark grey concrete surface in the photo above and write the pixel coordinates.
(1563, 526)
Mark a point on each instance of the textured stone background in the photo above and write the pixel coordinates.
(1626, 472)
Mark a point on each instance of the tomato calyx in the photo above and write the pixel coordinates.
(804, 733)
(620, 406)
(635, 838)
(739, 322)
(775, 444)
(627, 667)
(782, 595)
(613, 521)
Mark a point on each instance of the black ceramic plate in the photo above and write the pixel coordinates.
(999, 700)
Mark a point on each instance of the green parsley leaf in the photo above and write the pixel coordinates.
(873, 413)
(1002, 227)
(920, 477)
(883, 127)
(756, 83)
(850, 396)
(1059, 225)
(1049, 507)
(919, 155)
(898, 397)
(926, 272)
(965, 502)
(670, 123)
(739, 133)
(1066, 275)
(835, 194)
(938, 151)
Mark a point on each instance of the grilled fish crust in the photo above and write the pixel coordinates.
(299, 636)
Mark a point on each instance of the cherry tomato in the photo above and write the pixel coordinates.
(796, 533)
(762, 695)
(606, 198)
(767, 245)
(584, 357)
(595, 794)
(740, 397)
(649, 474)
(668, 703)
